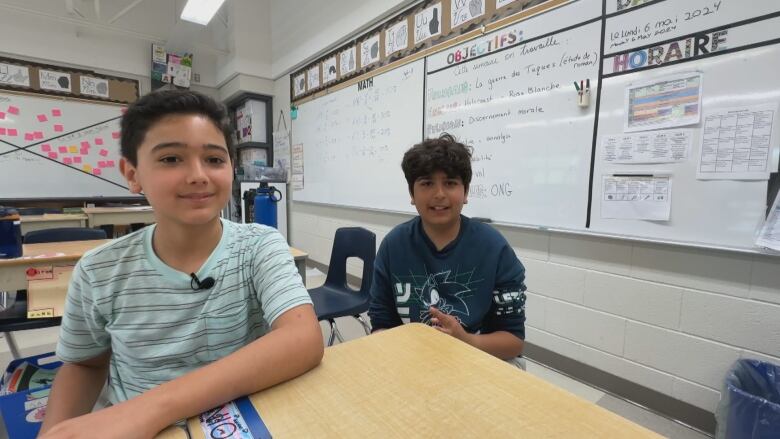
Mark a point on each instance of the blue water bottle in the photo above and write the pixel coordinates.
(265, 205)
(10, 233)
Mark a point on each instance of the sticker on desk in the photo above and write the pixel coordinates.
(40, 272)
(224, 422)
(235, 420)
(40, 313)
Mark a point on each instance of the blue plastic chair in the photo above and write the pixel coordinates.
(63, 234)
(14, 318)
(335, 298)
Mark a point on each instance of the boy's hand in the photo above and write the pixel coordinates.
(119, 421)
(448, 325)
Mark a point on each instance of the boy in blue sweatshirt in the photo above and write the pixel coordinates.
(444, 269)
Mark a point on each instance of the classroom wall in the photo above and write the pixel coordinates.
(669, 318)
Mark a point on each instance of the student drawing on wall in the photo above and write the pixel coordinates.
(433, 25)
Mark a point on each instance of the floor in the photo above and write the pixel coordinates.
(39, 341)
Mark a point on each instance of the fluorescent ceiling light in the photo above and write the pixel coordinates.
(200, 11)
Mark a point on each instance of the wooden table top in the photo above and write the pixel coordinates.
(73, 250)
(49, 252)
(52, 217)
(413, 381)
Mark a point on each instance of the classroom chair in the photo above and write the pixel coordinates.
(14, 318)
(62, 234)
(335, 298)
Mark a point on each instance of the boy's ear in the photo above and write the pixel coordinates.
(466, 196)
(130, 172)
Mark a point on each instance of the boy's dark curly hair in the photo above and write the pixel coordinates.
(145, 112)
(443, 154)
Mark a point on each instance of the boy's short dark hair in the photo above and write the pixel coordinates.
(145, 112)
(443, 154)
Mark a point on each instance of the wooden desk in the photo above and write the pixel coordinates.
(101, 216)
(413, 381)
(51, 221)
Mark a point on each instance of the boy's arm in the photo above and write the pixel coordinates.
(503, 329)
(381, 309)
(76, 389)
(293, 347)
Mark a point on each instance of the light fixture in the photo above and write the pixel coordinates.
(200, 11)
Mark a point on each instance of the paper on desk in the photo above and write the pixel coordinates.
(769, 236)
(139, 208)
(49, 294)
(636, 197)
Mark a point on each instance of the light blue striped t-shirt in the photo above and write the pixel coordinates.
(123, 297)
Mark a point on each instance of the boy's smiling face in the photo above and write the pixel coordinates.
(183, 169)
(439, 199)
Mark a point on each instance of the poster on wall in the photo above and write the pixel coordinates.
(347, 61)
(14, 75)
(329, 72)
(93, 86)
(299, 84)
(427, 23)
(397, 38)
(369, 51)
(666, 102)
(463, 11)
(55, 81)
(313, 76)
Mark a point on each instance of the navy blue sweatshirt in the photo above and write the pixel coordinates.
(476, 278)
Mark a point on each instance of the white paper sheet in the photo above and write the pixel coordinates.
(736, 143)
(638, 197)
(651, 147)
(666, 102)
(769, 236)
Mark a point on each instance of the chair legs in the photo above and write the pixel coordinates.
(334, 333)
(364, 323)
(9, 338)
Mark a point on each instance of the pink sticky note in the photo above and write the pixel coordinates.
(29, 136)
(84, 151)
(13, 110)
(85, 144)
(103, 152)
(2, 131)
(101, 164)
(58, 128)
(77, 159)
(38, 135)
(63, 149)
(42, 118)
(98, 141)
(96, 171)
(12, 132)
(2, 115)
(67, 160)
(110, 164)
(115, 134)
(56, 112)
(53, 155)
(45, 147)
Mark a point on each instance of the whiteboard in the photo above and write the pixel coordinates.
(55, 148)
(518, 109)
(538, 157)
(711, 212)
(353, 141)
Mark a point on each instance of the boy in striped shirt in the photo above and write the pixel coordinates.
(186, 314)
